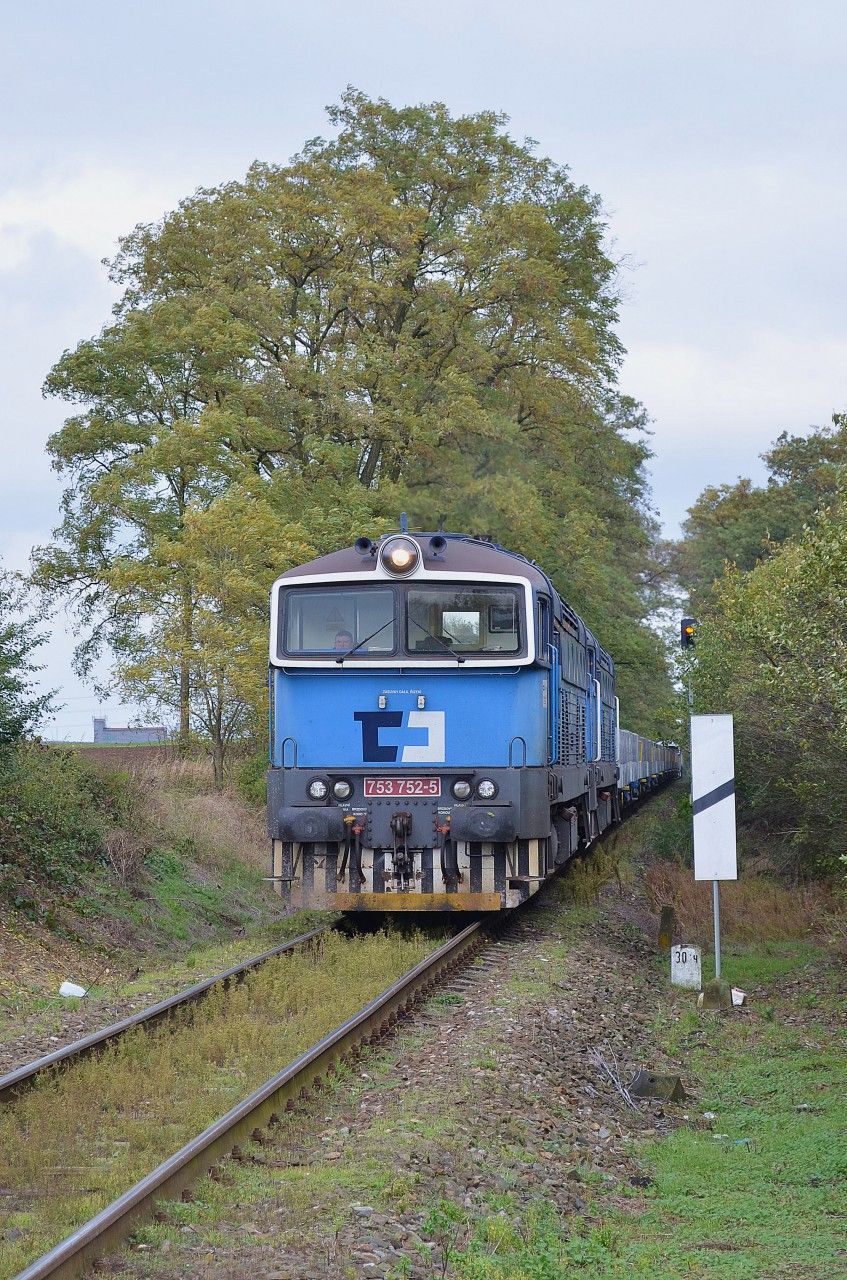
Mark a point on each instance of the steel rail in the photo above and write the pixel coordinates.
(260, 1109)
(14, 1082)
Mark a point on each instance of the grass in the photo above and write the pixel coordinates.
(204, 960)
(109, 980)
(220, 824)
(769, 1197)
(182, 896)
(514, 1244)
(753, 908)
(159, 861)
(765, 1200)
(761, 1195)
(75, 1142)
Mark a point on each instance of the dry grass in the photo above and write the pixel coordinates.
(753, 908)
(219, 824)
(184, 806)
(837, 936)
(126, 851)
(76, 1142)
(181, 805)
(190, 772)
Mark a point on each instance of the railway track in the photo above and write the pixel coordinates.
(247, 1118)
(259, 1109)
(13, 1083)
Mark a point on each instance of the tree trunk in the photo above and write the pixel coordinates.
(218, 752)
(370, 462)
(185, 670)
(216, 734)
(184, 690)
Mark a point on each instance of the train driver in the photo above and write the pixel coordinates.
(343, 640)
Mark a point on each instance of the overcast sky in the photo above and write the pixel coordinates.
(715, 135)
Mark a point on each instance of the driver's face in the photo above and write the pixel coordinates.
(343, 640)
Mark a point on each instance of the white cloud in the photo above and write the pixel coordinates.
(87, 208)
(715, 410)
(771, 382)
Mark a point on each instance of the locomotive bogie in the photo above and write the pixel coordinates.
(480, 876)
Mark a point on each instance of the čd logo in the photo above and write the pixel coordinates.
(418, 736)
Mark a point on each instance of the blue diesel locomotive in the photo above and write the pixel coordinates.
(444, 729)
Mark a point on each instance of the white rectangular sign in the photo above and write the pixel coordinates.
(713, 798)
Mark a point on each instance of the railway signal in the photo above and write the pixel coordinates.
(688, 633)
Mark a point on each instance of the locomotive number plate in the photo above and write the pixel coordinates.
(402, 786)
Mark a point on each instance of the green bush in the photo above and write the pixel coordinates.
(56, 815)
(772, 650)
(251, 777)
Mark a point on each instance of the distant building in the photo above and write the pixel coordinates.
(144, 733)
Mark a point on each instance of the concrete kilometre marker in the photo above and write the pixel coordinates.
(685, 967)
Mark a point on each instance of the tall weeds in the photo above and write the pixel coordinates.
(753, 909)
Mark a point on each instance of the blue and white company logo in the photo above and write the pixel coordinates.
(424, 728)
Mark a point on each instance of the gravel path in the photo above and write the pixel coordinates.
(489, 1098)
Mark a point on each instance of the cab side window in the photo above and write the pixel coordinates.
(543, 643)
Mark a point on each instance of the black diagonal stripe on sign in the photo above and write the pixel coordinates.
(714, 797)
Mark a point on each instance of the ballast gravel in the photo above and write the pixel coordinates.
(53, 1026)
(488, 1092)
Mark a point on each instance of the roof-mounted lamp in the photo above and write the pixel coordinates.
(399, 556)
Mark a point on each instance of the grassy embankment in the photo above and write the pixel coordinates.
(759, 1192)
(105, 871)
(75, 1142)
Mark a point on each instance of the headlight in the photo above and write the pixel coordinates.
(461, 789)
(400, 555)
(486, 789)
(318, 789)
(342, 789)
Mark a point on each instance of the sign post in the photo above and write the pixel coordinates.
(713, 809)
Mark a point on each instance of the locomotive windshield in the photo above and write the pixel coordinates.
(447, 618)
(319, 620)
(463, 619)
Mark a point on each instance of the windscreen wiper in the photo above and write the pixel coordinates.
(372, 636)
(444, 645)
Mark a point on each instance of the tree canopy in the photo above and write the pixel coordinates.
(742, 523)
(21, 708)
(772, 650)
(418, 312)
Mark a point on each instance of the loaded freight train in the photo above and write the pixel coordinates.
(444, 729)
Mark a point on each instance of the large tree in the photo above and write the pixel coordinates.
(419, 310)
(573, 498)
(139, 456)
